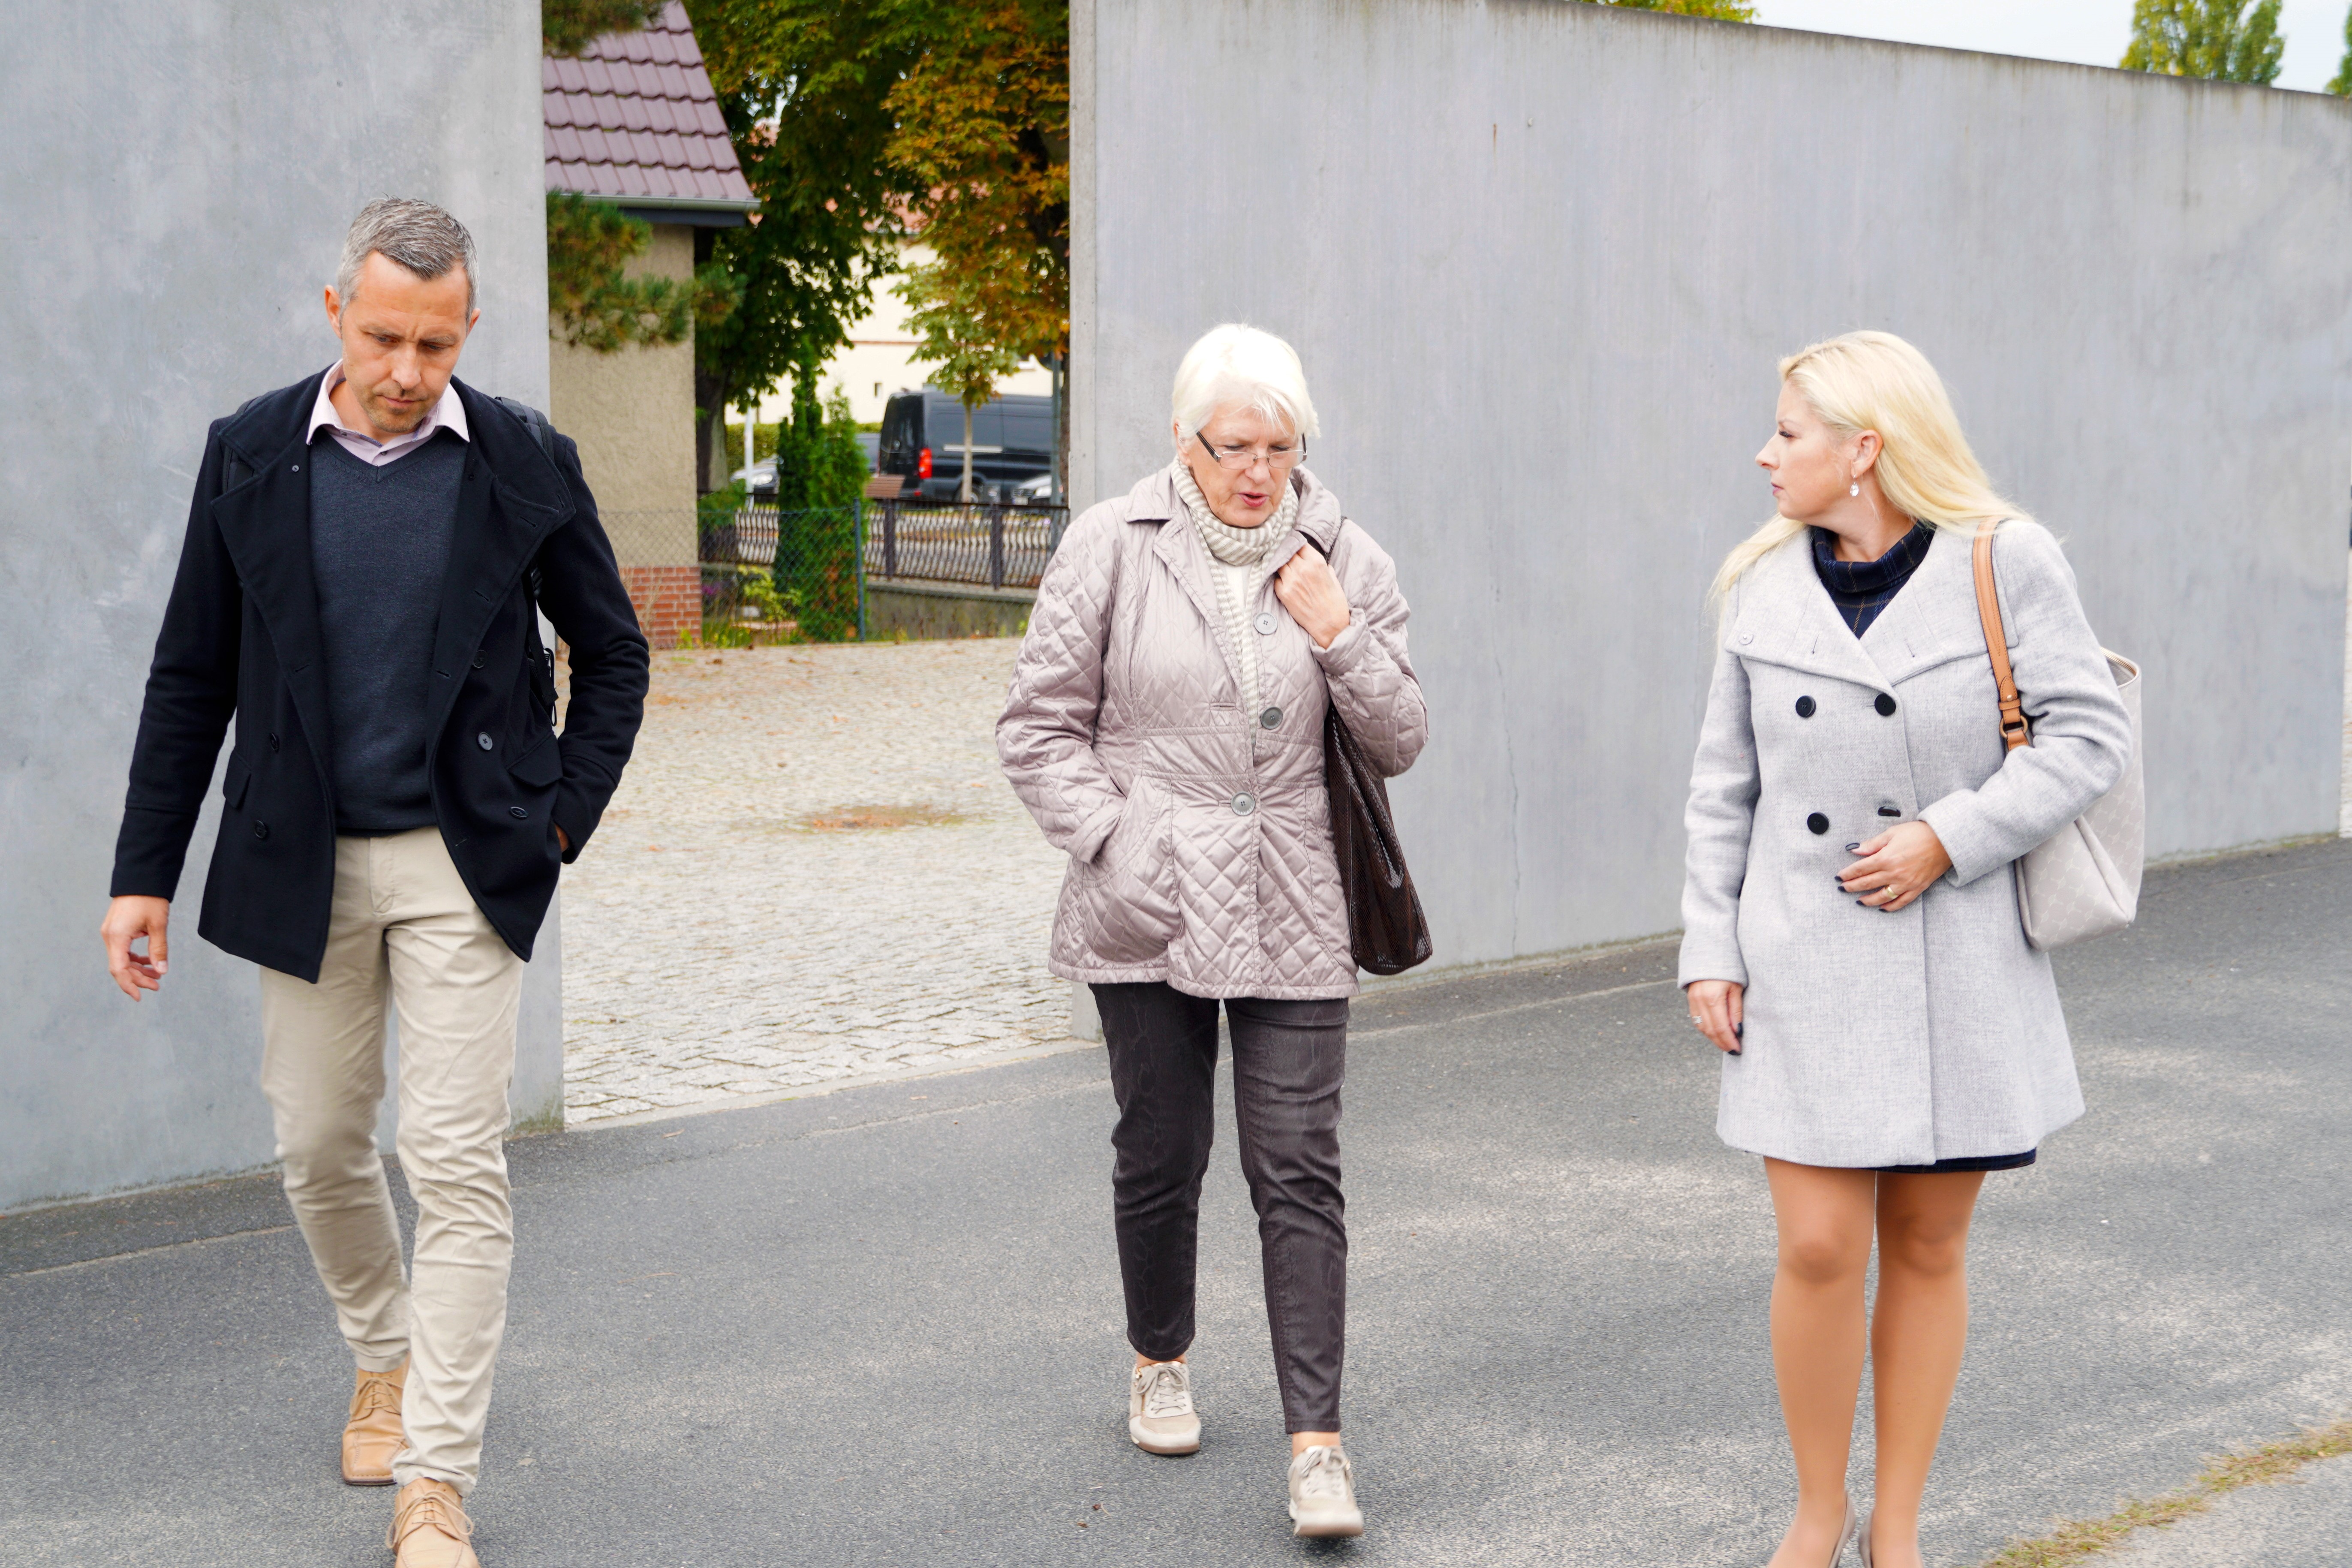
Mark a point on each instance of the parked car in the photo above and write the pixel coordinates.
(759, 479)
(922, 443)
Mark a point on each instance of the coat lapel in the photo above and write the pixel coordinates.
(498, 531)
(1786, 618)
(1934, 619)
(266, 524)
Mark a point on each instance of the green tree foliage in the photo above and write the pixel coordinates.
(1721, 10)
(820, 478)
(2341, 85)
(597, 305)
(983, 132)
(568, 26)
(956, 331)
(2224, 40)
(804, 86)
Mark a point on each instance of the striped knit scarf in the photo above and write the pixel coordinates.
(1239, 554)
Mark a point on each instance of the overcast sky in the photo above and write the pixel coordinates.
(2092, 32)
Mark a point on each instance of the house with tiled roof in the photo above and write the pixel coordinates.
(632, 121)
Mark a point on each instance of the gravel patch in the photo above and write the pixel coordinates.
(813, 871)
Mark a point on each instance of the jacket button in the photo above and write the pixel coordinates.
(1886, 705)
(1818, 822)
(1890, 811)
(1265, 623)
(1244, 805)
(484, 741)
(480, 658)
(1804, 707)
(1269, 719)
(1746, 637)
(273, 742)
(261, 830)
(516, 812)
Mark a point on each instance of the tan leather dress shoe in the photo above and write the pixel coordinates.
(373, 1435)
(430, 1529)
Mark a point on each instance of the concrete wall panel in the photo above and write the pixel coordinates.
(1540, 259)
(177, 180)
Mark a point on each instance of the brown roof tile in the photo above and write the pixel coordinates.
(636, 116)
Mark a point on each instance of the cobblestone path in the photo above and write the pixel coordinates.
(813, 870)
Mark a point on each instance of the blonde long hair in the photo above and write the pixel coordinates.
(1875, 381)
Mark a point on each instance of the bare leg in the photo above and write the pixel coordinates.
(1824, 1217)
(1918, 1331)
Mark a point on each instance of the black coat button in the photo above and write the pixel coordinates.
(484, 741)
(1890, 811)
(1818, 822)
(261, 830)
(516, 812)
(480, 659)
(1884, 704)
(1269, 719)
(273, 742)
(1804, 707)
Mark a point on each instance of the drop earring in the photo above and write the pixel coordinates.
(1854, 488)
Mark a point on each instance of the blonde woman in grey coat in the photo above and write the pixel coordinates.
(1165, 727)
(1853, 941)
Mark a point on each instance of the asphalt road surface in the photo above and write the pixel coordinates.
(883, 1326)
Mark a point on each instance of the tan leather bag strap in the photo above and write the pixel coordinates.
(2014, 730)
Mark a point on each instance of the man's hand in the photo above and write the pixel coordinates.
(1896, 867)
(128, 919)
(1716, 1007)
(1312, 595)
(562, 839)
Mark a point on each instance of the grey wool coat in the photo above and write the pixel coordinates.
(1932, 1033)
(1199, 835)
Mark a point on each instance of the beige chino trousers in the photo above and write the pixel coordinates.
(404, 923)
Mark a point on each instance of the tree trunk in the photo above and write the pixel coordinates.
(965, 494)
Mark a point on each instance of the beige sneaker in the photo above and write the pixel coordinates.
(1323, 1495)
(1160, 1414)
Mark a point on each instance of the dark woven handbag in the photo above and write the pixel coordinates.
(1386, 929)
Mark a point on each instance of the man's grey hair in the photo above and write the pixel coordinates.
(417, 235)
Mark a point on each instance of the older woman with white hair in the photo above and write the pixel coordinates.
(1165, 727)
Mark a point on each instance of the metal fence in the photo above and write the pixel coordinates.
(785, 574)
(1001, 546)
(726, 578)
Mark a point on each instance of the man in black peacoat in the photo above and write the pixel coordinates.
(366, 559)
(241, 638)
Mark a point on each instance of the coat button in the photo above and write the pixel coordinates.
(1269, 719)
(1886, 705)
(261, 830)
(1890, 811)
(1265, 623)
(273, 742)
(484, 741)
(1818, 822)
(1746, 637)
(1804, 707)
(480, 658)
(518, 812)
(1244, 805)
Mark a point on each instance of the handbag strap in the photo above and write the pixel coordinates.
(2014, 730)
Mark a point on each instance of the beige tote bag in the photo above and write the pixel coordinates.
(2085, 882)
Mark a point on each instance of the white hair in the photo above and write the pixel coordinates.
(413, 234)
(1236, 365)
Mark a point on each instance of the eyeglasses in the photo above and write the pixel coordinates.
(1241, 459)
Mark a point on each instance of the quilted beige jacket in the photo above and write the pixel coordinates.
(1199, 835)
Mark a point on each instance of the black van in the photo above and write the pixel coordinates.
(922, 442)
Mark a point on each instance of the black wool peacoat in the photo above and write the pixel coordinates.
(241, 639)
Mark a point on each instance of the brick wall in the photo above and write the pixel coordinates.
(669, 601)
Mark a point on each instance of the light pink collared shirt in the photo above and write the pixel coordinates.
(447, 414)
